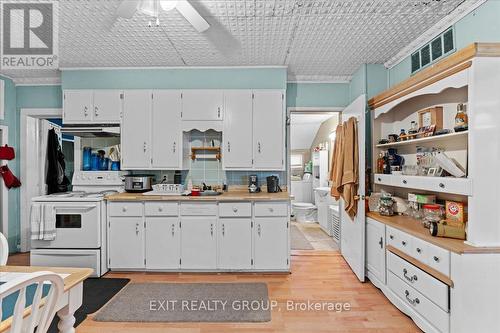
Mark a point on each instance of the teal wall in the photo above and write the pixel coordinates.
(357, 86)
(39, 97)
(317, 94)
(481, 25)
(172, 78)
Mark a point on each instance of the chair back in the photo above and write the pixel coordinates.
(4, 250)
(43, 307)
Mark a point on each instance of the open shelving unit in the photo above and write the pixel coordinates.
(436, 139)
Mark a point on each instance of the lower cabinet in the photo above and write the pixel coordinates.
(270, 243)
(126, 242)
(375, 249)
(235, 243)
(198, 242)
(162, 243)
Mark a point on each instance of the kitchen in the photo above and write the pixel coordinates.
(182, 174)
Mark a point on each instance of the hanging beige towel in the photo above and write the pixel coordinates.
(337, 162)
(348, 188)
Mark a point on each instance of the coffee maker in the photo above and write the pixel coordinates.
(253, 184)
(273, 184)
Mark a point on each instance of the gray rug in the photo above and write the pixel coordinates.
(189, 302)
(298, 240)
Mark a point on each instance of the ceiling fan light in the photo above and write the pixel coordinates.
(147, 7)
(167, 5)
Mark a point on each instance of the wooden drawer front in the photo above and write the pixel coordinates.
(271, 209)
(161, 208)
(418, 302)
(419, 250)
(439, 259)
(125, 208)
(430, 287)
(382, 179)
(199, 209)
(235, 209)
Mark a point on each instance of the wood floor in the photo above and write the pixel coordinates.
(316, 276)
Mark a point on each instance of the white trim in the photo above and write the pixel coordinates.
(2, 99)
(169, 67)
(312, 109)
(320, 78)
(4, 205)
(24, 219)
(315, 82)
(460, 12)
(37, 81)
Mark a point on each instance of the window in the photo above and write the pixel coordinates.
(439, 47)
(296, 161)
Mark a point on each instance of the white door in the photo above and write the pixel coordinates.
(135, 130)
(202, 104)
(375, 249)
(270, 236)
(353, 232)
(163, 243)
(237, 129)
(268, 129)
(198, 242)
(126, 233)
(107, 106)
(166, 129)
(77, 106)
(235, 243)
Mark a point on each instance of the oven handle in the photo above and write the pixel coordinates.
(80, 208)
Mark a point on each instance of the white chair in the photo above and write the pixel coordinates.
(4, 250)
(43, 309)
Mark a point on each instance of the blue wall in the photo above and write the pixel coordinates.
(317, 94)
(39, 97)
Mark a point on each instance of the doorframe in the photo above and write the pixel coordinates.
(24, 213)
(4, 204)
(303, 109)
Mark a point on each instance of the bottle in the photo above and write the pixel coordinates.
(413, 128)
(380, 163)
(461, 119)
(402, 135)
(190, 185)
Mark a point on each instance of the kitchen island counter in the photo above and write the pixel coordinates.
(226, 196)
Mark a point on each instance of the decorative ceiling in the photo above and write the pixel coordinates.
(316, 39)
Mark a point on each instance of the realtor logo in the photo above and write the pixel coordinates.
(28, 35)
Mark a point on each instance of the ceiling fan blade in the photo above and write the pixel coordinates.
(192, 15)
(127, 8)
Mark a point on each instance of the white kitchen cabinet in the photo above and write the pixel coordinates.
(126, 242)
(375, 249)
(135, 131)
(107, 106)
(198, 242)
(270, 236)
(77, 106)
(268, 130)
(237, 132)
(202, 104)
(166, 145)
(235, 243)
(162, 243)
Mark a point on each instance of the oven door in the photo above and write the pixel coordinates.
(78, 226)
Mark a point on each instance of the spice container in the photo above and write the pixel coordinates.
(432, 213)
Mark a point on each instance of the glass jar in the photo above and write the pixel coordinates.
(432, 213)
(385, 205)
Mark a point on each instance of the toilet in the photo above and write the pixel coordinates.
(304, 212)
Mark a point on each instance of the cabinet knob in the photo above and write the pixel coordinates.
(258, 147)
(124, 209)
(391, 236)
(174, 147)
(229, 146)
(85, 111)
(404, 243)
(259, 230)
(235, 209)
(436, 259)
(223, 229)
(404, 181)
(419, 250)
(173, 229)
(379, 179)
(441, 185)
(96, 111)
(160, 209)
(271, 209)
(211, 229)
(218, 112)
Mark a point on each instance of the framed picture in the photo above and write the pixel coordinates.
(431, 116)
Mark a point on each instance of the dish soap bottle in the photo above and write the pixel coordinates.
(461, 119)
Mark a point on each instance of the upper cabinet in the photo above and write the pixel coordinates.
(202, 104)
(92, 106)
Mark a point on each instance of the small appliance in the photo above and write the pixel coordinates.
(253, 184)
(273, 184)
(138, 183)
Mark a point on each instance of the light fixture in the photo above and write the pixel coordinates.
(152, 8)
(167, 5)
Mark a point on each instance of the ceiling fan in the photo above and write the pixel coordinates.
(128, 8)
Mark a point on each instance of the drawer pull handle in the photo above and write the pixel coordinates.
(391, 236)
(124, 209)
(419, 250)
(235, 209)
(404, 243)
(381, 243)
(411, 301)
(160, 209)
(404, 181)
(410, 279)
(436, 259)
(441, 185)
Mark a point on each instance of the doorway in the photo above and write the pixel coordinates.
(310, 140)
(4, 194)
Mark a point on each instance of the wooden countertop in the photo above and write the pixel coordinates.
(226, 196)
(415, 228)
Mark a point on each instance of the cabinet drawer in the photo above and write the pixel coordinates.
(382, 179)
(392, 236)
(400, 240)
(125, 208)
(161, 209)
(235, 209)
(199, 209)
(448, 185)
(405, 181)
(418, 302)
(426, 284)
(439, 259)
(271, 209)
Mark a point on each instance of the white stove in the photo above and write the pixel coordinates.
(80, 218)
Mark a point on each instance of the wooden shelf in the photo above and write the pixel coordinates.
(435, 138)
(211, 149)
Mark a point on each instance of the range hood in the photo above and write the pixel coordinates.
(92, 130)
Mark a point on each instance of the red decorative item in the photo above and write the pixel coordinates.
(7, 153)
(8, 177)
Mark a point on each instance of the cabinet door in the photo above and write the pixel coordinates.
(237, 129)
(107, 106)
(375, 248)
(135, 130)
(77, 106)
(198, 242)
(202, 104)
(271, 243)
(268, 130)
(166, 129)
(126, 242)
(163, 243)
(235, 243)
